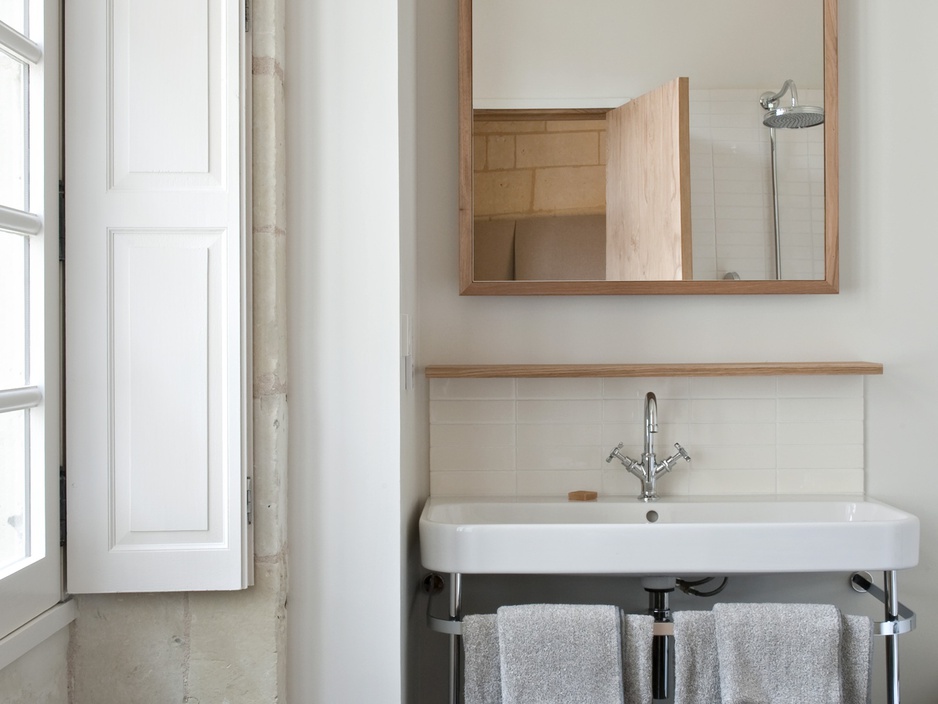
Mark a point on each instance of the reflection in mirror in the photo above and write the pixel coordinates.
(742, 200)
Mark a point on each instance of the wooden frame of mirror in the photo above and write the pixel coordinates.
(830, 283)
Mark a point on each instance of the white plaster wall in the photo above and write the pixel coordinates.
(415, 476)
(884, 311)
(345, 218)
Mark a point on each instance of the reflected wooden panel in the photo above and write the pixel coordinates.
(648, 227)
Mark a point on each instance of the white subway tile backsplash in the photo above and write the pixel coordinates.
(570, 411)
(442, 435)
(731, 434)
(574, 388)
(746, 435)
(472, 388)
(745, 410)
(617, 482)
(733, 387)
(558, 457)
(821, 433)
(473, 458)
(823, 457)
(820, 409)
(731, 482)
(820, 386)
(636, 388)
(675, 483)
(473, 483)
(558, 483)
(623, 412)
(559, 434)
(630, 433)
(710, 457)
(472, 411)
(829, 481)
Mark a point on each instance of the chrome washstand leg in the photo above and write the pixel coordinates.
(891, 589)
(899, 619)
(455, 641)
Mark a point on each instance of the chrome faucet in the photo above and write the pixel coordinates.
(649, 469)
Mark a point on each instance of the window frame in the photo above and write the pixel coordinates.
(28, 594)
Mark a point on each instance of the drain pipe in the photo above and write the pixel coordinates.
(659, 606)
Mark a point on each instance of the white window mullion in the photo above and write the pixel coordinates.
(19, 222)
(18, 45)
(18, 399)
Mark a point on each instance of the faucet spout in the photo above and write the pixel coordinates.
(651, 422)
(649, 461)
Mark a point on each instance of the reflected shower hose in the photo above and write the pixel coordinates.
(778, 238)
(794, 116)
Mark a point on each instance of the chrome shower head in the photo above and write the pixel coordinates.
(792, 117)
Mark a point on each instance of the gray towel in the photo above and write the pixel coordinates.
(560, 653)
(856, 659)
(637, 638)
(696, 665)
(779, 653)
(482, 673)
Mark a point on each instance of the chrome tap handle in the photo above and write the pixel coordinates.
(668, 464)
(627, 462)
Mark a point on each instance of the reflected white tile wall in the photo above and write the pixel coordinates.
(731, 189)
(746, 435)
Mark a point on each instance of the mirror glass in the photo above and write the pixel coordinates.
(543, 169)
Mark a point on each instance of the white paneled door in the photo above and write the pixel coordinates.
(157, 296)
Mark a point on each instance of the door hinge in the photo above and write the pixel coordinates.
(62, 507)
(61, 220)
(250, 500)
(247, 16)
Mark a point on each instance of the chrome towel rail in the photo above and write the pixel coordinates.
(899, 619)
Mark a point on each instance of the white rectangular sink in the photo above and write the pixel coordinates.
(670, 537)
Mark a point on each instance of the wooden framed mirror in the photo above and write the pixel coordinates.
(720, 213)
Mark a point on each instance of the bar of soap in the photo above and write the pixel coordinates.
(582, 496)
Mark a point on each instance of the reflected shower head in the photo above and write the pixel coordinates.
(791, 117)
(794, 117)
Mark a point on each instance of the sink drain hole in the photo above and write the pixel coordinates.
(651, 516)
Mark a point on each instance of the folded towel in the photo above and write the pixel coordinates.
(482, 667)
(779, 653)
(696, 666)
(637, 636)
(856, 659)
(560, 653)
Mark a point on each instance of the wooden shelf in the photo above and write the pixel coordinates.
(489, 371)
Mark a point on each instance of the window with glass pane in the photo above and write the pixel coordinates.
(14, 299)
(13, 14)
(30, 580)
(12, 310)
(13, 76)
(13, 471)
(14, 465)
